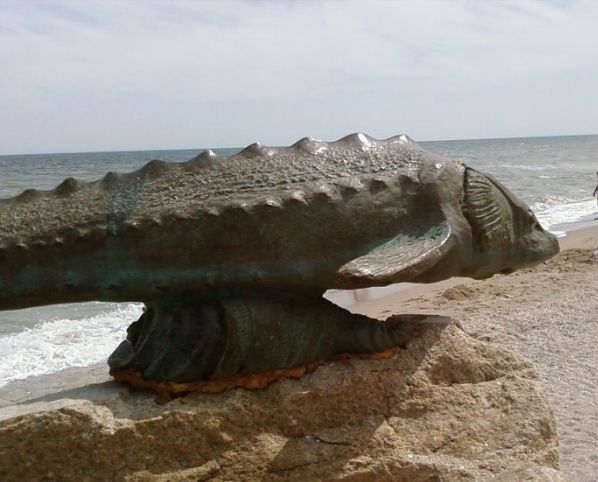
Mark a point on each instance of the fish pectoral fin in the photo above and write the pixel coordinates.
(402, 258)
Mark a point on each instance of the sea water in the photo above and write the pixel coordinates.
(554, 175)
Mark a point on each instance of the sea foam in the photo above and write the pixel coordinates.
(568, 212)
(62, 343)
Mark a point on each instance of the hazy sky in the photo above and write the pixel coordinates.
(120, 75)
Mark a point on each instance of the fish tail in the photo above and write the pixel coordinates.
(367, 335)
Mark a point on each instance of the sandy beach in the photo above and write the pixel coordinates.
(546, 313)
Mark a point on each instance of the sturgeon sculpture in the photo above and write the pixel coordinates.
(231, 255)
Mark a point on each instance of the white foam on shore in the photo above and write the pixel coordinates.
(568, 212)
(58, 344)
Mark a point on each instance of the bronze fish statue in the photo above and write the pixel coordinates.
(231, 255)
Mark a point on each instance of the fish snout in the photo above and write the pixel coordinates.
(505, 233)
(533, 243)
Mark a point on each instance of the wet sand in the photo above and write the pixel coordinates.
(547, 313)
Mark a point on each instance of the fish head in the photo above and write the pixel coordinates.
(505, 234)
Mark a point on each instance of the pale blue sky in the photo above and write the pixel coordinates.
(120, 75)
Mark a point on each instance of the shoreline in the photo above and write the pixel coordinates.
(582, 234)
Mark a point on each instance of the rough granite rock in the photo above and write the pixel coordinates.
(446, 408)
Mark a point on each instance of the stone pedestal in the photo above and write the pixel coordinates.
(447, 407)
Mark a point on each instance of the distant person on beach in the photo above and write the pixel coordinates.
(595, 190)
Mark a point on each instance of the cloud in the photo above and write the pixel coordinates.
(138, 60)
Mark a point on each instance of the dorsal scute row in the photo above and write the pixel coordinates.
(336, 152)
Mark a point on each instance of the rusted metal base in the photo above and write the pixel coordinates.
(250, 381)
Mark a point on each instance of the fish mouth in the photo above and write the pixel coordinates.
(506, 235)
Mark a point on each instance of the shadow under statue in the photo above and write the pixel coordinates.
(231, 255)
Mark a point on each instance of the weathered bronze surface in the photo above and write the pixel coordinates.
(232, 254)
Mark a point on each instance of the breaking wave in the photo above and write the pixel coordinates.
(62, 343)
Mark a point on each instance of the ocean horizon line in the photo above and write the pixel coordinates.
(201, 149)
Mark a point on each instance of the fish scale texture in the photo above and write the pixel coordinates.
(255, 175)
